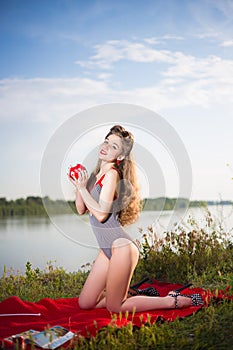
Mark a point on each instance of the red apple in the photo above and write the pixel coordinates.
(73, 173)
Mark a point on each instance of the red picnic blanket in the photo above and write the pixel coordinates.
(66, 312)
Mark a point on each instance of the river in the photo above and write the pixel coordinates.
(68, 240)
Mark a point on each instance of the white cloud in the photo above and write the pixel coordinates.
(44, 100)
(115, 50)
(227, 43)
(210, 67)
(185, 80)
(177, 64)
(162, 39)
(140, 53)
(202, 80)
(209, 34)
(172, 37)
(106, 54)
(152, 41)
(104, 76)
(210, 77)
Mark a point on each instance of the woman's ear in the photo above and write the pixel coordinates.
(119, 159)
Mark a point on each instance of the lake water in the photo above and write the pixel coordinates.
(68, 240)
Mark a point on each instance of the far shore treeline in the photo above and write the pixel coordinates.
(35, 205)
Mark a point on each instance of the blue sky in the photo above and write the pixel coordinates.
(61, 57)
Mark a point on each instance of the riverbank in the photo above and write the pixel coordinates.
(42, 206)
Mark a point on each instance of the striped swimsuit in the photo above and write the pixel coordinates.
(108, 231)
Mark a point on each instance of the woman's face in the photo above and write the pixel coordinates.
(111, 148)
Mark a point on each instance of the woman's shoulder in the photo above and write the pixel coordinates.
(112, 173)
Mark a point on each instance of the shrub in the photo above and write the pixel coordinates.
(201, 254)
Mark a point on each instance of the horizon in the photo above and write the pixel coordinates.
(219, 201)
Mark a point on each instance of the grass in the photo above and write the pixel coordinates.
(201, 255)
(211, 328)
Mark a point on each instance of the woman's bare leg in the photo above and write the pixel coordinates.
(145, 303)
(142, 303)
(116, 275)
(121, 267)
(96, 281)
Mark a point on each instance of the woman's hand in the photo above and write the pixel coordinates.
(82, 179)
(81, 182)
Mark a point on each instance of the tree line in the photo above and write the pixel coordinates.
(35, 205)
(164, 203)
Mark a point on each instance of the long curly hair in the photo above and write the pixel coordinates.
(128, 199)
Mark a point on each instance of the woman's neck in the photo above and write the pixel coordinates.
(105, 166)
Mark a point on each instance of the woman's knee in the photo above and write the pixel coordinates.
(85, 303)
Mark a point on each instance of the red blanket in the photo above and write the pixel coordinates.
(66, 312)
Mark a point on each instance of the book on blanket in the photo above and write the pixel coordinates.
(50, 338)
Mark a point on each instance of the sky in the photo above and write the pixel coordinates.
(62, 57)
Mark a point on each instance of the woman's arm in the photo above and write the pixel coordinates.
(80, 205)
(102, 208)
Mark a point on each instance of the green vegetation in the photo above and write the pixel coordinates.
(164, 203)
(35, 205)
(35, 284)
(202, 256)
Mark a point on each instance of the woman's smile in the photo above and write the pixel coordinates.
(102, 151)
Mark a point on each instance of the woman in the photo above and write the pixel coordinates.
(111, 197)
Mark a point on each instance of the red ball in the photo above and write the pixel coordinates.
(73, 173)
